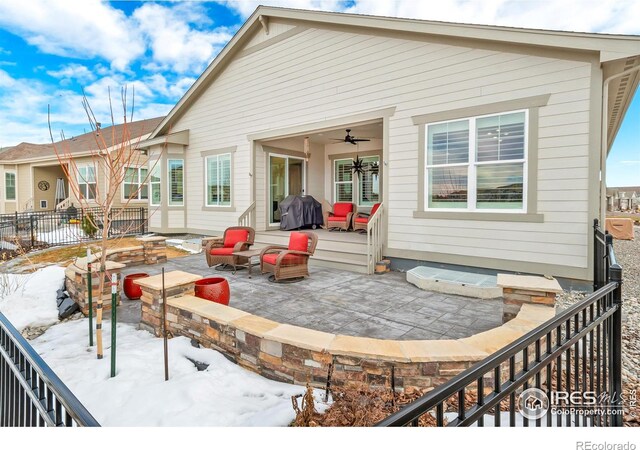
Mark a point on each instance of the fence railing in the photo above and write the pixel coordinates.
(31, 394)
(65, 226)
(573, 360)
(374, 239)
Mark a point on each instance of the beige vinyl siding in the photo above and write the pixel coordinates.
(321, 74)
(24, 186)
(275, 28)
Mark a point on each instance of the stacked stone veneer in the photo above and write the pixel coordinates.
(299, 355)
(519, 290)
(76, 280)
(152, 250)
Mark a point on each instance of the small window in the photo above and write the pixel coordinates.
(369, 182)
(9, 186)
(218, 176)
(134, 186)
(154, 182)
(87, 182)
(176, 182)
(343, 180)
(43, 204)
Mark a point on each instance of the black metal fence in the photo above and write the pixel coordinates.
(65, 227)
(31, 394)
(573, 361)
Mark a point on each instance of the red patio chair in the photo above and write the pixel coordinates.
(340, 217)
(361, 220)
(292, 261)
(236, 239)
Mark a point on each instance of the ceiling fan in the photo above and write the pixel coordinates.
(351, 139)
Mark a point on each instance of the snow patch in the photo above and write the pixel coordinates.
(62, 235)
(222, 395)
(30, 300)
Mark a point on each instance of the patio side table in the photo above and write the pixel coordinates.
(249, 254)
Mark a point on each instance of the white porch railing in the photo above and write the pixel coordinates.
(248, 218)
(64, 204)
(375, 239)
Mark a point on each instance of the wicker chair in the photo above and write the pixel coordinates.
(235, 239)
(340, 217)
(361, 220)
(292, 261)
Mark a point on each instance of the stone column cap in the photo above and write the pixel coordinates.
(528, 283)
(152, 238)
(171, 279)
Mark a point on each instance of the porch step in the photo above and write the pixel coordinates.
(340, 251)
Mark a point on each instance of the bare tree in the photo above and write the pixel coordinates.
(113, 153)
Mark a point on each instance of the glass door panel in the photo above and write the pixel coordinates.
(278, 186)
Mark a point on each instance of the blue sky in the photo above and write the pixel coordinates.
(51, 50)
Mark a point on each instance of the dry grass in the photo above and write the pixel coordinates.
(65, 255)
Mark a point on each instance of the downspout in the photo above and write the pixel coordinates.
(605, 130)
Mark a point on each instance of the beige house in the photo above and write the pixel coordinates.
(29, 173)
(485, 145)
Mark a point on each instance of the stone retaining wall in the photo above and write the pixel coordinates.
(298, 355)
(152, 250)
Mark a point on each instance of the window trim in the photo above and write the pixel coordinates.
(206, 180)
(532, 104)
(336, 182)
(140, 178)
(169, 201)
(15, 185)
(95, 176)
(155, 166)
(359, 188)
(472, 166)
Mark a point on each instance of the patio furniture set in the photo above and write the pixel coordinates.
(283, 263)
(343, 218)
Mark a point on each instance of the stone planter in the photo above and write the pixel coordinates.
(214, 289)
(132, 290)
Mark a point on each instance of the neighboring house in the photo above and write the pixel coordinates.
(29, 173)
(485, 140)
(623, 198)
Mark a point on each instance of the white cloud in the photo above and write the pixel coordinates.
(174, 41)
(73, 72)
(77, 28)
(605, 16)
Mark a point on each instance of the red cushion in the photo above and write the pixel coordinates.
(221, 251)
(375, 208)
(342, 209)
(362, 219)
(232, 237)
(337, 219)
(299, 242)
(288, 260)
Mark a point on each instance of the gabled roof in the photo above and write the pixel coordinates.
(84, 143)
(606, 46)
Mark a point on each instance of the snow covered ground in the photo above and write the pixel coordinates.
(187, 246)
(222, 395)
(30, 300)
(64, 234)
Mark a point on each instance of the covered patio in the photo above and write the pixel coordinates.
(347, 303)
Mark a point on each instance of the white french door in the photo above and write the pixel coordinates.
(287, 176)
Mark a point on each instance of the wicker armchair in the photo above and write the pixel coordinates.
(292, 261)
(235, 239)
(340, 217)
(361, 220)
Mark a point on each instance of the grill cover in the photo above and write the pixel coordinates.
(297, 211)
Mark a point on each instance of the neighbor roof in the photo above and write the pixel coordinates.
(607, 47)
(84, 143)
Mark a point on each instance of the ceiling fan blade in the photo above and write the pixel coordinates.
(360, 140)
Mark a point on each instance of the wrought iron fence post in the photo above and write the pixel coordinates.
(32, 226)
(615, 275)
(597, 256)
(16, 225)
(143, 222)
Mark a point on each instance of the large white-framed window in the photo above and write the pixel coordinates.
(218, 179)
(175, 173)
(477, 163)
(369, 181)
(342, 180)
(87, 182)
(155, 185)
(10, 185)
(134, 185)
